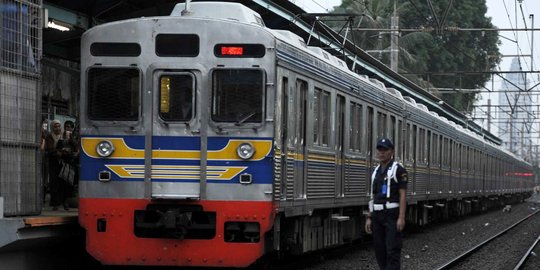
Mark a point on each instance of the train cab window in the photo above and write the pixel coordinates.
(237, 96)
(113, 94)
(176, 97)
(115, 49)
(177, 45)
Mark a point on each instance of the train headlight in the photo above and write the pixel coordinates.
(104, 148)
(245, 150)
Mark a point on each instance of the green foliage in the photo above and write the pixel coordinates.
(437, 48)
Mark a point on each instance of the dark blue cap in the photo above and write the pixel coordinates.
(385, 143)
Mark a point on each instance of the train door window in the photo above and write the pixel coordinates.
(411, 142)
(421, 145)
(399, 140)
(176, 97)
(113, 94)
(464, 157)
(355, 131)
(353, 122)
(453, 154)
(392, 129)
(428, 155)
(301, 91)
(444, 150)
(457, 156)
(325, 117)
(450, 153)
(237, 96)
(381, 125)
(316, 115)
(321, 115)
(284, 131)
(435, 149)
(339, 144)
(369, 129)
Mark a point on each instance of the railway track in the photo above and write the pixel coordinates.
(520, 265)
(460, 260)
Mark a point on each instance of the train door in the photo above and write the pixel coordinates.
(339, 147)
(171, 133)
(284, 135)
(299, 128)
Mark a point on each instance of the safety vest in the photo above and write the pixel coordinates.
(390, 174)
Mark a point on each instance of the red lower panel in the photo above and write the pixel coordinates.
(118, 244)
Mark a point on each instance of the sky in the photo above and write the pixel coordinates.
(503, 15)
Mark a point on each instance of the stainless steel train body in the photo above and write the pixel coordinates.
(211, 140)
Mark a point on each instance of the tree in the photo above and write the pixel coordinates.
(439, 47)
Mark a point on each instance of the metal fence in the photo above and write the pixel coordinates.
(20, 101)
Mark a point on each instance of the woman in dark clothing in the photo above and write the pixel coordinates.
(57, 149)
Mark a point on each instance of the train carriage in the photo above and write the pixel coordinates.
(211, 140)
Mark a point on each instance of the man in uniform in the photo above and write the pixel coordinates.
(386, 218)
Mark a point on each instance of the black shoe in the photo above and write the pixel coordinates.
(66, 207)
(55, 208)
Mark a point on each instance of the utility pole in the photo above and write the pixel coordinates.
(394, 39)
(489, 115)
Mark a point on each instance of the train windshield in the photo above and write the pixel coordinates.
(113, 94)
(237, 96)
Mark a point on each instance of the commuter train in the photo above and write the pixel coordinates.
(211, 140)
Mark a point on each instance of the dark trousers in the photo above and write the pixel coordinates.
(387, 239)
(59, 188)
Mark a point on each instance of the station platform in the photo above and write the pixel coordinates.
(22, 231)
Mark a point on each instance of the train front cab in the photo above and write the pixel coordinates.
(168, 184)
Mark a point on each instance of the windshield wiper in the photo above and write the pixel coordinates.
(241, 121)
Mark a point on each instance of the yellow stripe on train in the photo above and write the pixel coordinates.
(176, 172)
(123, 151)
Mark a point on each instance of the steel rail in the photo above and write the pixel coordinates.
(469, 252)
(521, 262)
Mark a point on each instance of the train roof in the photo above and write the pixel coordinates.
(219, 10)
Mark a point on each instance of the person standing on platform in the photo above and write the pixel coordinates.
(54, 151)
(386, 218)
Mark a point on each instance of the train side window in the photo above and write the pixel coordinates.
(237, 96)
(113, 94)
(176, 97)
